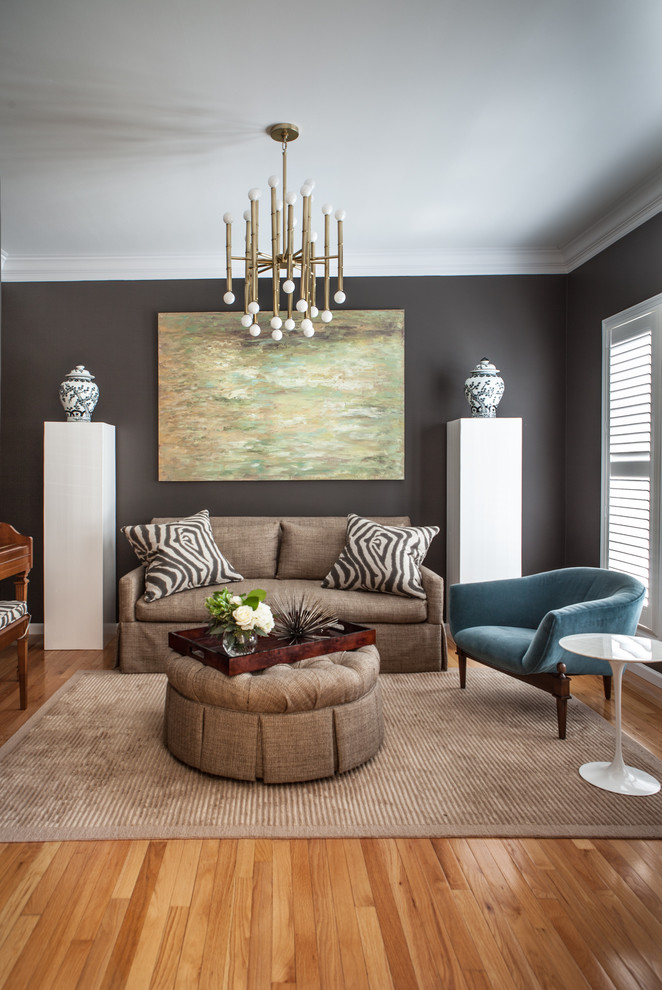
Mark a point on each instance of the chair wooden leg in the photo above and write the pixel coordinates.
(22, 645)
(462, 664)
(562, 693)
(561, 713)
(606, 684)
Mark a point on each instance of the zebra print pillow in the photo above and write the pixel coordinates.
(381, 558)
(179, 555)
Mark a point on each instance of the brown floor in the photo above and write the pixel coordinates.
(467, 913)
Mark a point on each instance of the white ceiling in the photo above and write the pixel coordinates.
(459, 135)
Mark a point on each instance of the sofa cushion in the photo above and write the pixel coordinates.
(364, 607)
(310, 546)
(179, 555)
(250, 542)
(382, 558)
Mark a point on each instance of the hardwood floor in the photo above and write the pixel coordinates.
(472, 914)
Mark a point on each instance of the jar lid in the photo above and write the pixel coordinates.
(80, 371)
(485, 367)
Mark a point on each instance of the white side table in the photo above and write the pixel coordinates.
(618, 651)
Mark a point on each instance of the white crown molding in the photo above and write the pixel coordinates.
(466, 261)
(628, 214)
(72, 268)
(632, 211)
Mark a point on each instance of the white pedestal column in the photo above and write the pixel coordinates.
(484, 500)
(79, 535)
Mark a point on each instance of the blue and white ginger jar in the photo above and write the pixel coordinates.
(79, 394)
(483, 389)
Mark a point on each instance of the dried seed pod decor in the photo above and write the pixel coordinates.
(302, 617)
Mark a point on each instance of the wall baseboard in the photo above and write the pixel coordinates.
(109, 630)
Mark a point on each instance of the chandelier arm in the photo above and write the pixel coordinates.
(274, 250)
(340, 255)
(313, 281)
(247, 267)
(305, 248)
(228, 257)
(327, 268)
(255, 224)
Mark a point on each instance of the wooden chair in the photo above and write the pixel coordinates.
(16, 561)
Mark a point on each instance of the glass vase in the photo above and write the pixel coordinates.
(238, 643)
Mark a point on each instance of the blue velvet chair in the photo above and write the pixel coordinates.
(515, 625)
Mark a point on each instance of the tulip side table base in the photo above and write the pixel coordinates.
(618, 651)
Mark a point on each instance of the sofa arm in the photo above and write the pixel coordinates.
(131, 586)
(433, 585)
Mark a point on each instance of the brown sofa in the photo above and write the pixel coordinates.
(284, 555)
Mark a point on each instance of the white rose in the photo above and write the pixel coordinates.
(264, 618)
(235, 600)
(244, 616)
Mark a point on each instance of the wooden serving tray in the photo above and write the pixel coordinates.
(198, 644)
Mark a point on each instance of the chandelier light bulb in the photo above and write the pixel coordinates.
(326, 316)
(246, 214)
(309, 331)
(276, 323)
(246, 320)
(309, 182)
(254, 194)
(339, 297)
(306, 324)
(273, 181)
(253, 307)
(302, 305)
(279, 205)
(327, 209)
(277, 334)
(306, 190)
(288, 286)
(289, 324)
(340, 214)
(227, 218)
(314, 311)
(291, 198)
(228, 298)
(254, 330)
(313, 236)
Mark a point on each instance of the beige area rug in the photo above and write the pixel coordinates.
(482, 762)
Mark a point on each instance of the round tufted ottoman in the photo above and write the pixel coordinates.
(290, 722)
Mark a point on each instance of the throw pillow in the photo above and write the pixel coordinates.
(381, 558)
(179, 555)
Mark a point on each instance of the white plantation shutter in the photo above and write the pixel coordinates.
(631, 443)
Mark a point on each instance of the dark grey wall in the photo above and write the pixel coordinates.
(624, 274)
(450, 323)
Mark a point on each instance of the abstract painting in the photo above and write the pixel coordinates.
(239, 408)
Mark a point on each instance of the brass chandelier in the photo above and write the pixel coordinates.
(284, 259)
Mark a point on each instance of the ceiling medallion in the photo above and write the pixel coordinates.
(284, 259)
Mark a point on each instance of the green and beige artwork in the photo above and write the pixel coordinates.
(238, 408)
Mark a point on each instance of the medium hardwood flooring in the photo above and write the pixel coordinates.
(472, 914)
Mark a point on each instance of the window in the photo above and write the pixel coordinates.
(631, 480)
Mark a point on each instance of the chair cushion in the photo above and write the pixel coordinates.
(179, 555)
(381, 558)
(11, 611)
(506, 647)
(502, 646)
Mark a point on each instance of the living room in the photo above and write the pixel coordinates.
(536, 314)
